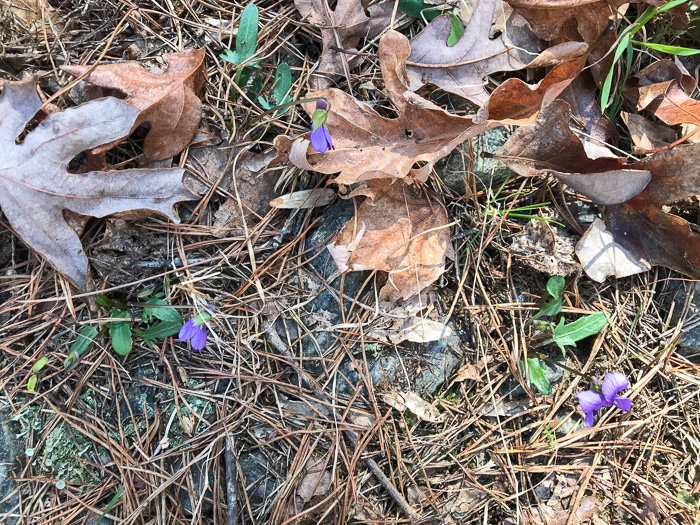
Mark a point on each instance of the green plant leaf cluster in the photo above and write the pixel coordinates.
(421, 9)
(552, 298)
(282, 89)
(569, 334)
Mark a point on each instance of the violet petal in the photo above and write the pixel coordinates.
(318, 139)
(622, 403)
(186, 331)
(589, 419)
(590, 401)
(613, 383)
(199, 340)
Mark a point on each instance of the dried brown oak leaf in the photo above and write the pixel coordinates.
(368, 146)
(169, 101)
(403, 231)
(36, 188)
(632, 208)
(460, 69)
(342, 27)
(664, 88)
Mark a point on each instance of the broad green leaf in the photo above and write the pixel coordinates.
(164, 314)
(414, 8)
(283, 87)
(159, 331)
(41, 363)
(81, 344)
(685, 497)
(246, 38)
(120, 332)
(535, 369)
(102, 300)
(671, 50)
(570, 334)
(31, 384)
(111, 504)
(456, 32)
(145, 293)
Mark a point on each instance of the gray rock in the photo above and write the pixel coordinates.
(453, 170)
(261, 476)
(689, 346)
(570, 424)
(202, 478)
(10, 448)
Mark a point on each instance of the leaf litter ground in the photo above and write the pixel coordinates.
(473, 452)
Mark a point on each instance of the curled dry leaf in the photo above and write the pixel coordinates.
(168, 101)
(637, 221)
(418, 330)
(368, 146)
(601, 256)
(37, 188)
(404, 231)
(460, 69)
(664, 88)
(342, 27)
(423, 410)
(304, 199)
(646, 134)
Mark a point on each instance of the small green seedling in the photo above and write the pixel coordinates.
(86, 337)
(41, 363)
(552, 298)
(111, 504)
(282, 89)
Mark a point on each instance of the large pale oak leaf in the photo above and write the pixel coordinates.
(368, 146)
(460, 69)
(404, 231)
(169, 101)
(342, 27)
(36, 188)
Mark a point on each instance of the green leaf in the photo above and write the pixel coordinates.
(246, 38)
(102, 300)
(282, 90)
(120, 332)
(41, 363)
(671, 50)
(414, 8)
(686, 498)
(551, 300)
(456, 32)
(535, 369)
(569, 334)
(164, 314)
(159, 331)
(111, 504)
(31, 384)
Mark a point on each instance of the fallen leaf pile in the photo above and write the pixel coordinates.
(37, 187)
(403, 230)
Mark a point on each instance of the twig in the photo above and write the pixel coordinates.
(231, 481)
(275, 340)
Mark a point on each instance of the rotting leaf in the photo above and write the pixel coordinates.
(418, 330)
(342, 27)
(168, 101)
(399, 232)
(37, 188)
(460, 69)
(403, 401)
(368, 146)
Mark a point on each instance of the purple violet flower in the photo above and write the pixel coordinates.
(196, 334)
(195, 330)
(320, 136)
(592, 400)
